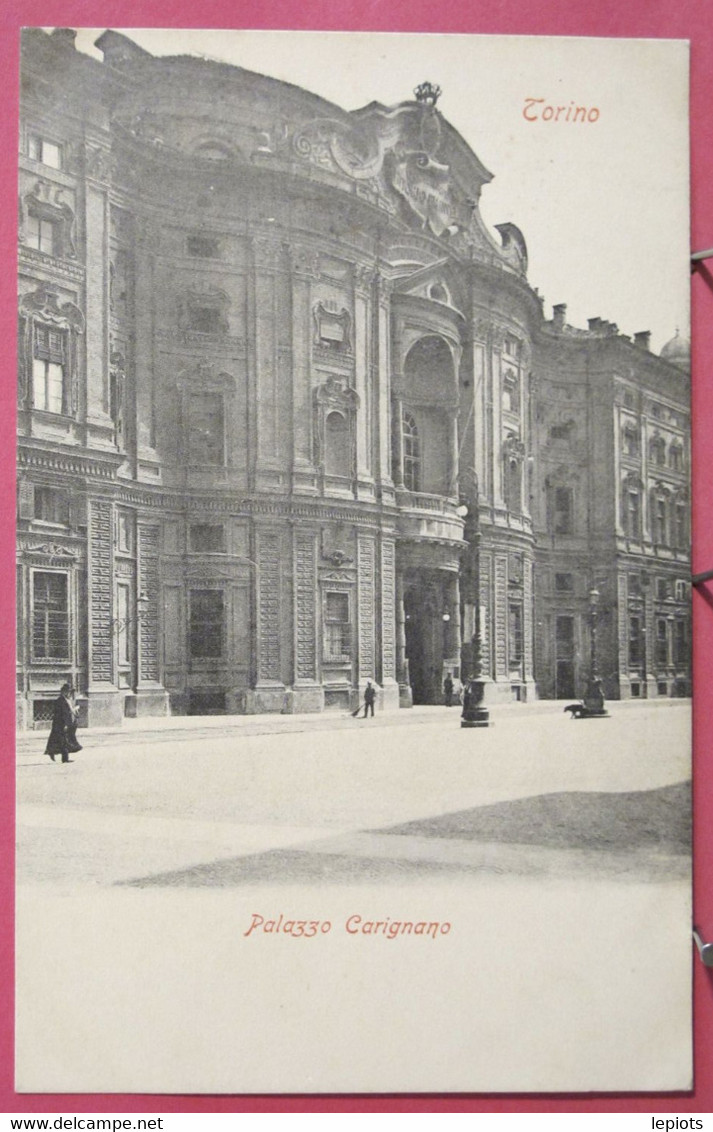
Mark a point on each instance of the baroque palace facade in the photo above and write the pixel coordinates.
(290, 418)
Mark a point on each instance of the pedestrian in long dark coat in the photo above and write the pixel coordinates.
(63, 736)
(448, 689)
(369, 698)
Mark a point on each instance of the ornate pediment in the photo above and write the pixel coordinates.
(51, 552)
(337, 394)
(44, 305)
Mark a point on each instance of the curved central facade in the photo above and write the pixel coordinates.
(289, 404)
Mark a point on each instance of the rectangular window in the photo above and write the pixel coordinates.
(206, 443)
(680, 644)
(206, 623)
(48, 366)
(123, 623)
(635, 589)
(51, 506)
(563, 511)
(337, 627)
(661, 642)
(681, 590)
(635, 642)
(124, 533)
(564, 583)
(41, 235)
(515, 635)
(663, 589)
(50, 616)
(207, 538)
(681, 525)
(633, 514)
(47, 152)
(660, 521)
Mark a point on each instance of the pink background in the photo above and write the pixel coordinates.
(683, 19)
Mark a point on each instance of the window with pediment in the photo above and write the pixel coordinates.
(48, 338)
(335, 409)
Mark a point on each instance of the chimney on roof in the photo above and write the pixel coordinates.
(594, 323)
(642, 339)
(559, 317)
(65, 36)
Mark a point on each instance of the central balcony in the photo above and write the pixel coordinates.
(423, 516)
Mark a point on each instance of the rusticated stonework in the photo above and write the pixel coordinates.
(485, 605)
(527, 618)
(268, 558)
(388, 609)
(305, 605)
(501, 609)
(366, 562)
(623, 625)
(100, 599)
(148, 545)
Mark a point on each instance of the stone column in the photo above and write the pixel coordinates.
(362, 317)
(453, 605)
(266, 256)
(453, 453)
(304, 265)
(104, 704)
(389, 685)
(268, 694)
(151, 696)
(307, 692)
(100, 427)
(366, 611)
(397, 416)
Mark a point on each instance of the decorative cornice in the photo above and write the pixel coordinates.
(102, 467)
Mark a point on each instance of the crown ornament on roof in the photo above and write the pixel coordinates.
(429, 93)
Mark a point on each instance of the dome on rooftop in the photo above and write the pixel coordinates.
(677, 351)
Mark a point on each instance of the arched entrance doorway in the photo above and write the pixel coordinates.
(425, 632)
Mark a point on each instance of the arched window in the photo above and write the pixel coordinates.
(657, 450)
(336, 445)
(412, 453)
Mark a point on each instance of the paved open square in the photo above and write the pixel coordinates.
(407, 797)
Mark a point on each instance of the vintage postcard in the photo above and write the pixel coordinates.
(353, 545)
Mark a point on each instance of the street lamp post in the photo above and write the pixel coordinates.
(594, 698)
(475, 713)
